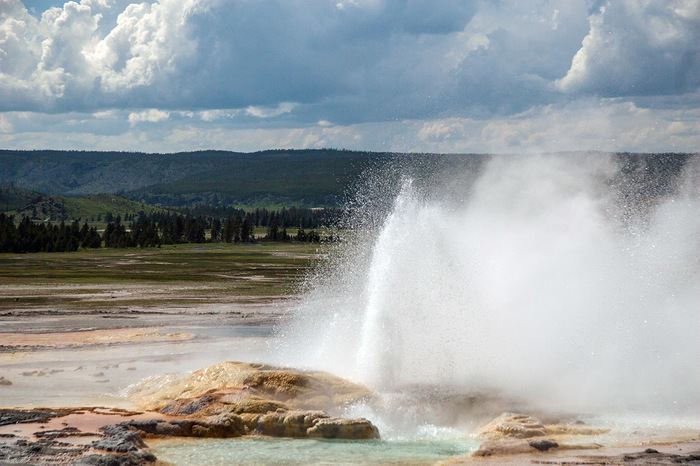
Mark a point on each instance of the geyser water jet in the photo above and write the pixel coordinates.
(571, 281)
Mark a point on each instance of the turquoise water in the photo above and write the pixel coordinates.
(266, 451)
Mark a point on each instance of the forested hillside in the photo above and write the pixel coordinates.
(92, 207)
(13, 198)
(275, 178)
(304, 177)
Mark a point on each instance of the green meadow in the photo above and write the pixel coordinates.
(153, 278)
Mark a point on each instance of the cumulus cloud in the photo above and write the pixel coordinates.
(390, 59)
(213, 115)
(638, 48)
(146, 46)
(17, 52)
(456, 73)
(262, 112)
(514, 51)
(211, 53)
(587, 124)
(107, 114)
(440, 130)
(151, 115)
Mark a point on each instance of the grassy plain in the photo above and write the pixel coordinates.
(148, 280)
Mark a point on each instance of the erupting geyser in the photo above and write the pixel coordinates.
(566, 280)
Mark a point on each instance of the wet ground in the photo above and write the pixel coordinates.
(95, 367)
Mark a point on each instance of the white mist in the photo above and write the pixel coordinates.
(532, 277)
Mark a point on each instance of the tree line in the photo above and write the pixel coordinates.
(28, 236)
(228, 225)
(293, 217)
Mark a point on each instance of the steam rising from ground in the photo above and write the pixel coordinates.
(567, 280)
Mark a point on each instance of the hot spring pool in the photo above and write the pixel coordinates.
(262, 451)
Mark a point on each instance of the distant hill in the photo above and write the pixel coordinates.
(13, 198)
(304, 177)
(91, 207)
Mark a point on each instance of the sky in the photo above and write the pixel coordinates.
(383, 75)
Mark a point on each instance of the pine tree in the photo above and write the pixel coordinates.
(215, 234)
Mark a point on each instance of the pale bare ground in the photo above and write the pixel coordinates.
(55, 340)
(680, 451)
(96, 367)
(87, 349)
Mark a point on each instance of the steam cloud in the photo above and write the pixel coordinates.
(569, 280)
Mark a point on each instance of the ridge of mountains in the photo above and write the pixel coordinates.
(301, 177)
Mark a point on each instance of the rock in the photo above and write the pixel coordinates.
(248, 400)
(232, 412)
(337, 428)
(42, 452)
(237, 401)
(298, 389)
(155, 428)
(218, 426)
(503, 447)
(4, 381)
(559, 429)
(187, 406)
(53, 434)
(57, 446)
(17, 416)
(231, 399)
(543, 445)
(314, 424)
(289, 423)
(512, 425)
(137, 458)
(119, 438)
(250, 420)
(511, 446)
(281, 423)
